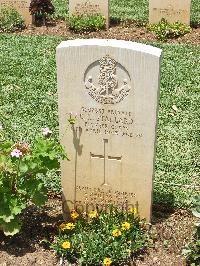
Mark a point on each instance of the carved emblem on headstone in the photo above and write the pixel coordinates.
(110, 89)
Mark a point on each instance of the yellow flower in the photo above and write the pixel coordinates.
(70, 226)
(66, 245)
(133, 210)
(74, 214)
(93, 214)
(116, 232)
(107, 261)
(126, 226)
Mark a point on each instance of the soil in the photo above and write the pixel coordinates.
(129, 31)
(171, 230)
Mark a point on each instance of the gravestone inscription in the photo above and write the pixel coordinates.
(90, 7)
(171, 10)
(113, 86)
(22, 6)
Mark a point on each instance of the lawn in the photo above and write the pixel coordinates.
(29, 102)
(127, 9)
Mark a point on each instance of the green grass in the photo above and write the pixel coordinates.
(178, 132)
(127, 9)
(61, 8)
(29, 102)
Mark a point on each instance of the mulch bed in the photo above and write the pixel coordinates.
(129, 31)
(171, 230)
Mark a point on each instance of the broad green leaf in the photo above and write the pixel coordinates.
(33, 165)
(12, 228)
(196, 213)
(7, 219)
(37, 191)
(16, 206)
(6, 146)
(23, 167)
(5, 212)
(40, 197)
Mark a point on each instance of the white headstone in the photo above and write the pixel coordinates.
(22, 6)
(113, 86)
(91, 7)
(171, 10)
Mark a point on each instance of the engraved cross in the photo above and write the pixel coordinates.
(106, 159)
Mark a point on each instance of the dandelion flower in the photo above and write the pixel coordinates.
(93, 214)
(116, 232)
(74, 214)
(107, 261)
(133, 210)
(66, 245)
(70, 226)
(126, 226)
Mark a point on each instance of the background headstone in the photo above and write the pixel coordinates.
(113, 87)
(91, 7)
(22, 6)
(171, 10)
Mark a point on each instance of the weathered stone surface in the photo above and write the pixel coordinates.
(22, 6)
(91, 7)
(171, 10)
(113, 87)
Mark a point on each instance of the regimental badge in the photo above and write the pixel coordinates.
(110, 89)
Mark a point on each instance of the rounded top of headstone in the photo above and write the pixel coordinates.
(148, 49)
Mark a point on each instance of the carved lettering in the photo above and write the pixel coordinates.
(16, 4)
(101, 198)
(108, 121)
(86, 8)
(170, 11)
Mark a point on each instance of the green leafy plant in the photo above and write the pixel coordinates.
(192, 250)
(101, 238)
(165, 30)
(86, 23)
(41, 9)
(10, 20)
(21, 182)
(196, 207)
